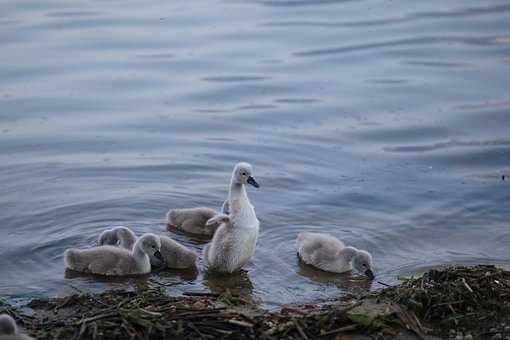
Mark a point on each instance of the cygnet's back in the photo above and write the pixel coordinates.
(175, 255)
(121, 236)
(9, 330)
(103, 260)
(316, 249)
(192, 220)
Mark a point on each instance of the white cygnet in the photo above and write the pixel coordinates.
(115, 261)
(192, 220)
(121, 236)
(175, 255)
(234, 242)
(9, 330)
(330, 254)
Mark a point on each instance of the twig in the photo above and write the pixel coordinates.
(350, 307)
(299, 329)
(240, 323)
(466, 285)
(340, 330)
(192, 326)
(447, 303)
(384, 284)
(97, 317)
(409, 320)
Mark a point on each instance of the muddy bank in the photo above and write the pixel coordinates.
(456, 303)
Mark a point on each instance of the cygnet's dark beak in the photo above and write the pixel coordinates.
(370, 274)
(252, 181)
(158, 255)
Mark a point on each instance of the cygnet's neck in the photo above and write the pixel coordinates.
(127, 243)
(348, 253)
(237, 190)
(138, 253)
(239, 203)
(126, 239)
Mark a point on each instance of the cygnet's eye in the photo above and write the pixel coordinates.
(244, 174)
(153, 247)
(364, 264)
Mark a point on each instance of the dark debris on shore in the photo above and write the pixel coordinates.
(459, 303)
(154, 315)
(467, 300)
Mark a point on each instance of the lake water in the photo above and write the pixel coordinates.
(384, 123)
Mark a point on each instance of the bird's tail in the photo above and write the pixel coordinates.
(217, 220)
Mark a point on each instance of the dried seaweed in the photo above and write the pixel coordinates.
(475, 300)
(153, 315)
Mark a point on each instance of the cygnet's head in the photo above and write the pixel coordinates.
(7, 325)
(151, 244)
(243, 174)
(107, 237)
(362, 262)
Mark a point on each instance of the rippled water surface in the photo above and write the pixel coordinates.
(385, 123)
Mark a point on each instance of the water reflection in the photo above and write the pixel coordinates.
(195, 238)
(176, 275)
(348, 283)
(237, 283)
(137, 282)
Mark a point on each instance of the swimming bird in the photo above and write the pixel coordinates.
(330, 254)
(174, 254)
(192, 220)
(115, 261)
(9, 330)
(121, 236)
(234, 241)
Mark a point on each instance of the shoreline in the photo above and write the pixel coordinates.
(445, 303)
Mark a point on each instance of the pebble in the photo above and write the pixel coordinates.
(497, 336)
(468, 337)
(507, 329)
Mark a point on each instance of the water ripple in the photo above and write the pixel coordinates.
(411, 17)
(234, 79)
(432, 40)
